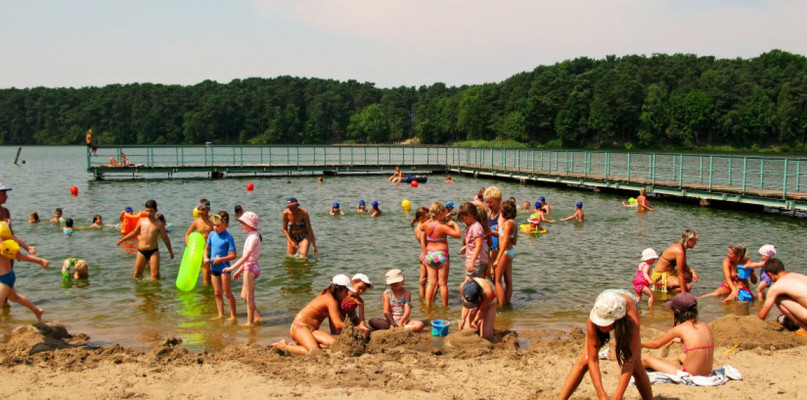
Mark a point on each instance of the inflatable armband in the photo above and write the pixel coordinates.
(5, 231)
(9, 249)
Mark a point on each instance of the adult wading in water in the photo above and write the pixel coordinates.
(297, 229)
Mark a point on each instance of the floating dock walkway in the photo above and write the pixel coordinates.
(763, 181)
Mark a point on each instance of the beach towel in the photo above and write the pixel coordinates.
(718, 377)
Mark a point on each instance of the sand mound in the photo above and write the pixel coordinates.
(750, 332)
(467, 344)
(350, 342)
(27, 340)
(398, 340)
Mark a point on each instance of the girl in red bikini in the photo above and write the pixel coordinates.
(694, 336)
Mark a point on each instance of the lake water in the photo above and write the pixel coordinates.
(556, 275)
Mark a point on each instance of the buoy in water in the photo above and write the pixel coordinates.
(74, 191)
(414, 184)
(406, 205)
(250, 187)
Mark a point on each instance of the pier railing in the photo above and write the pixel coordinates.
(771, 177)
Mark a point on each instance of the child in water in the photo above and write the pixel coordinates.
(397, 305)
(336, 210)
(642, 282)
(97, 222)
(57, 216)
(33, 217)
(9, 250)
(74, 268)
(374, 208)
(579, 215)
(767, 252)
(68, 226)
(476, 247)
(694, 336)
(248, 265)
(219, 251)
(362, 207)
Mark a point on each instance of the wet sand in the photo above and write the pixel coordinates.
(45, 361)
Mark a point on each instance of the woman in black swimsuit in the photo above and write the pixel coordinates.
(297, 229)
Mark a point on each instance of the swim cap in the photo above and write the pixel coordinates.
(5, 231)
(335, 205)
(767, 250)
(361, 202)
(631, 200)
(450, 204)
(128, 209)
(374, 204)
(537, 204)
(579, 204)
(542, 199)
(9, 249)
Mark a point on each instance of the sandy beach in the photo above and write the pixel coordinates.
(44, 361)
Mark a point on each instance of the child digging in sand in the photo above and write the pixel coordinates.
(219, 251)
(614, 310)
(248, 265)
(695, 338)
(397, 305)
(9, 250)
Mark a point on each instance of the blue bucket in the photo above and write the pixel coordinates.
(743, 273)
(440, 327)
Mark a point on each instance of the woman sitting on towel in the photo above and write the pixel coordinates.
(695, 338)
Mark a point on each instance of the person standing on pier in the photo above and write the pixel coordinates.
(89, 143)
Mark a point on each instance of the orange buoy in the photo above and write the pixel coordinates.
(414, 184)
(250, 186)
(74, 191)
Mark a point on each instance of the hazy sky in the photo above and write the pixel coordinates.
(391, 43)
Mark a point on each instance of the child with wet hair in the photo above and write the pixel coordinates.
(74, 268)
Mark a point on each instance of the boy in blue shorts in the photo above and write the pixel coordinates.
(219, 251)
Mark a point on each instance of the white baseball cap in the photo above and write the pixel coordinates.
(363, 278)
(343, 280)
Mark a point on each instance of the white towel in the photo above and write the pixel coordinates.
(718, 377)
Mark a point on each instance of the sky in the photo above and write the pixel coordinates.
(390, 43)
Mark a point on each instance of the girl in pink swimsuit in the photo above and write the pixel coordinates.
(248, 265)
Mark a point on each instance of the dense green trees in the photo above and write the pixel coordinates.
(663, 101)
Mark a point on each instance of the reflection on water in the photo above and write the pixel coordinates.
(556, 275)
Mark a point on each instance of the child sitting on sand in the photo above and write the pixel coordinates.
(75, 268)
(397, 305)
(695, 338)
(9, 250)
(642, 282)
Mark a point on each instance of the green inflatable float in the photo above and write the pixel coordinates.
(191, 262)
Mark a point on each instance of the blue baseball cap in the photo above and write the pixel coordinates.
(335, 205)
(292, 203)
(579, 204)
(450, 204)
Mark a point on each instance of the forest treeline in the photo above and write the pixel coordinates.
(679, 101)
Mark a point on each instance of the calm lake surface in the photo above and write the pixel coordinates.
(556, 275)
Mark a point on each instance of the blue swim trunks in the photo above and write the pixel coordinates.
(8, 279)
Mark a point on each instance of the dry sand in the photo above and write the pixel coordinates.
(44, 361)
